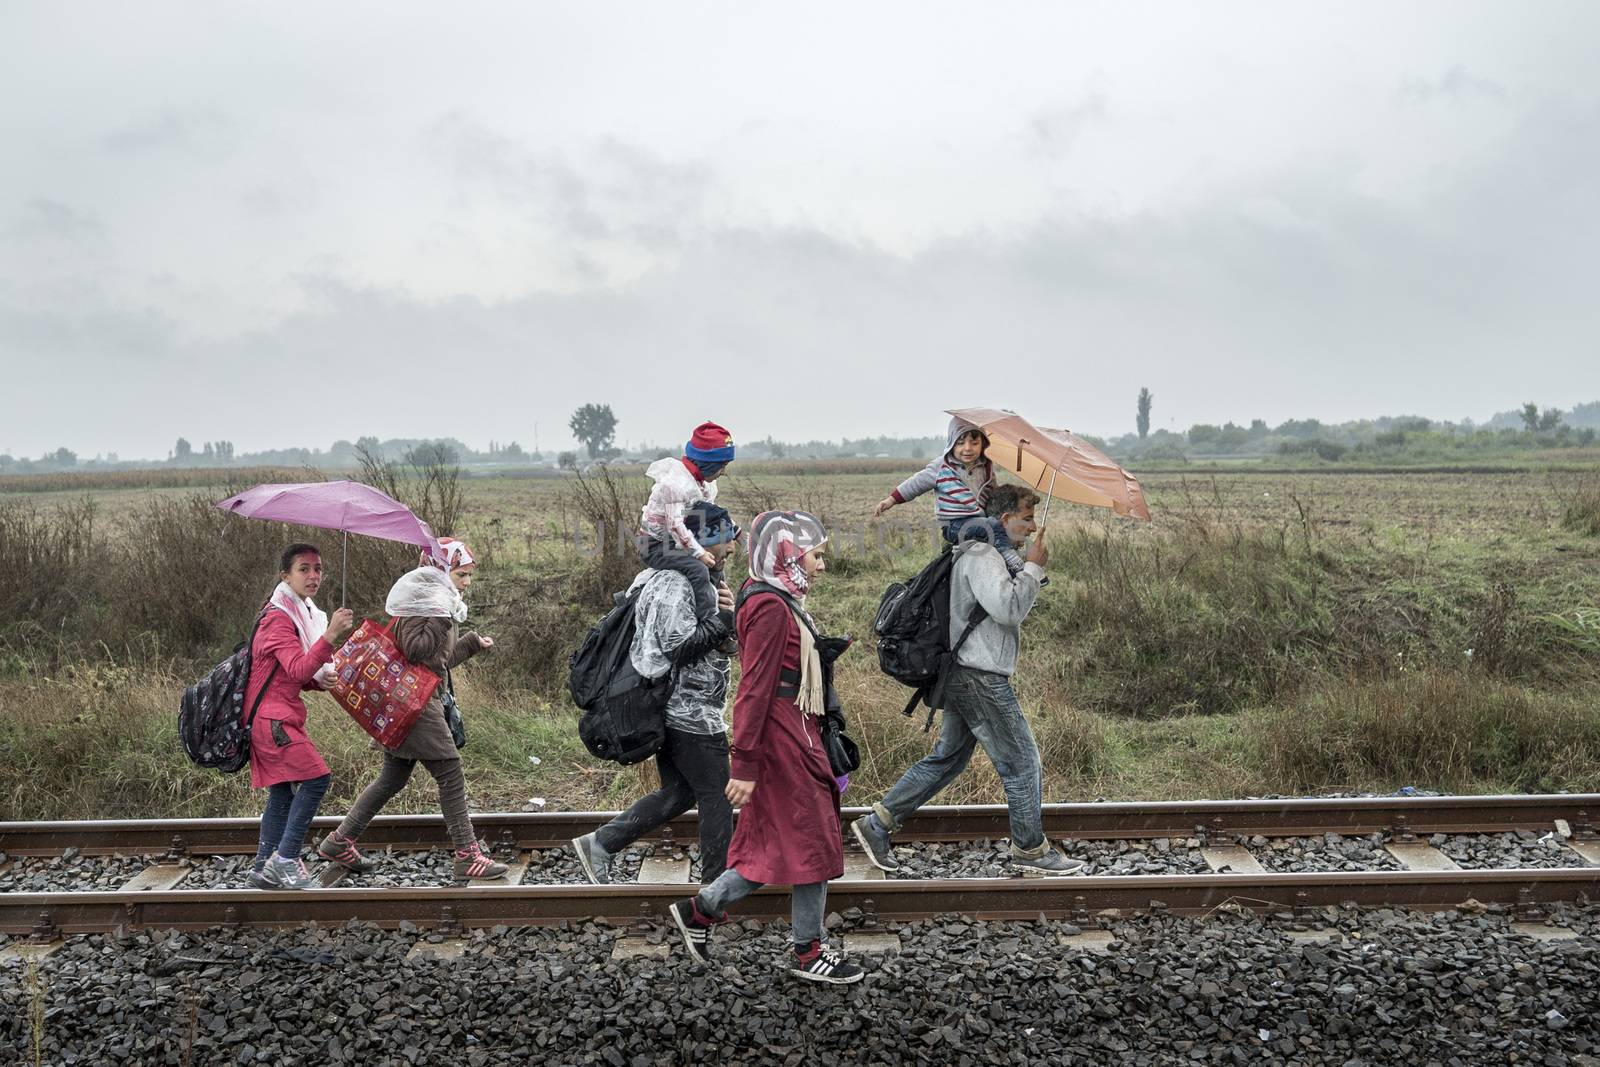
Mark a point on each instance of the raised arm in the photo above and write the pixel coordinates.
(1007, 600)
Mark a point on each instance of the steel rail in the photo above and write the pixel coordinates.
(1217, 820)
(1083, 900)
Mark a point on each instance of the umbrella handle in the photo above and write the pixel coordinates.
(1047, 497)
(344, 564)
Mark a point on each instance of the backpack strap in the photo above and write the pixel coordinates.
(934, 690)
(250, 718)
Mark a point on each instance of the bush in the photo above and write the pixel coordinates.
(1443, 730)
(1582, 511)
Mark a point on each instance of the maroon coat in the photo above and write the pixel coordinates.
(788, 834)
(278, 642)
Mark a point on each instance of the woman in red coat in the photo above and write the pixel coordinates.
(293, 641)
(780, 780)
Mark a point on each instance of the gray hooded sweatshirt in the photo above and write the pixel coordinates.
(980, 577)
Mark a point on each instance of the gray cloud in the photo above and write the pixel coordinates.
(196, 130)
(1456, 84)
(1268, 216)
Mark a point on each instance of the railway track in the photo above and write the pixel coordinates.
(1426, 878)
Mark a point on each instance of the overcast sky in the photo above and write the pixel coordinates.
(285, 224)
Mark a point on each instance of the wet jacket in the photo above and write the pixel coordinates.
(667, 636)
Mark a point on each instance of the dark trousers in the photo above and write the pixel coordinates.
(666, 555)
(694, 773)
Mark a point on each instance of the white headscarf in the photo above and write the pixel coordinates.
(426, 591)
(778, 541)
(310, 622)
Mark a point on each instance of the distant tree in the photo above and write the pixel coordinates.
(369, 444)
(595, 426)
(1202, 433)
(1549, 419)
(1530, 417)
(183, 450)
(1258, 428)
(514, 451)
(7, 461)
(64, 457)
(1145, 397)
(567, 461)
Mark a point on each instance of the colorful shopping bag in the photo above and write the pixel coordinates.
(373, 683)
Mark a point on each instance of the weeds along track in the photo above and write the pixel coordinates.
(1515, 852)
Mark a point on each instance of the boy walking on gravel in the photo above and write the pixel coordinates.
(981, 708)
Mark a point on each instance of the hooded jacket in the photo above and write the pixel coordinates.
(962, 492)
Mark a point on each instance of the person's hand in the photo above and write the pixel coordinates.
(707, 558)
(339, 626)
(1037, 552)
(724, 597)
(883, 505)
(739, 792)
(325, 677)
(485, 642)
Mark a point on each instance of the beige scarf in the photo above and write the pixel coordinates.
(812, 700)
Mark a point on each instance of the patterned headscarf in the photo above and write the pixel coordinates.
(778, 539)
(456, 553)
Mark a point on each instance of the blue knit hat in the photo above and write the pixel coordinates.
(710, 524)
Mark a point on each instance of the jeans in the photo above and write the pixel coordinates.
(694, 772)
(290, 808)
(393, 777)
(980, 709)
(805, 909)
(664, 554)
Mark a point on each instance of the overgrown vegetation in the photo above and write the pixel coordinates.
(1251, 640)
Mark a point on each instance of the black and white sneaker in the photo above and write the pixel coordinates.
(819, 964)
(597, 867)
(874, 841)
(695, 928)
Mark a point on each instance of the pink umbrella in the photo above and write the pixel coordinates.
(349, 507)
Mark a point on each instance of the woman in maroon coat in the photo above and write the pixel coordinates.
(788, 799)
(293, 641)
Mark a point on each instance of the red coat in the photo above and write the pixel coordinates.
(278, 642)
(788, 834)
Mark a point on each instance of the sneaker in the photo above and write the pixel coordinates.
(819, 964)
(695, 928)
(287, 874)
(874, 840)
(342, 850)
(1050, 865)
(596, 861)
(262, 880)
(472, 863)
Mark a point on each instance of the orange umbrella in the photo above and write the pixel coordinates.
(1058, 463)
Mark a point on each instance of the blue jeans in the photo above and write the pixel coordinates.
(290, 808)
(980, 709)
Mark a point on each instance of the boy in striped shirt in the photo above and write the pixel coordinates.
(961, 480)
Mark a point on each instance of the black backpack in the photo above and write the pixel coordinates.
(843, 756)
(624, 714)
(913, 628)
(211, 721)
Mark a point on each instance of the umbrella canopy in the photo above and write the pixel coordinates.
(1057, 462)
(344, 505)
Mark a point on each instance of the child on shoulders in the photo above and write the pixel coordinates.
(962, 479)
(665, 542)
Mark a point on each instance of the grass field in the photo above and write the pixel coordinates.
(1267, 632)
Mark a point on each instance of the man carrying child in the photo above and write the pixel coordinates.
(981, 708)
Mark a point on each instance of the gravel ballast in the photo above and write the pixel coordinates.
(992, 859)
(70, 873)
(1390, 988)
(1330, 852)
(1520, 848)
